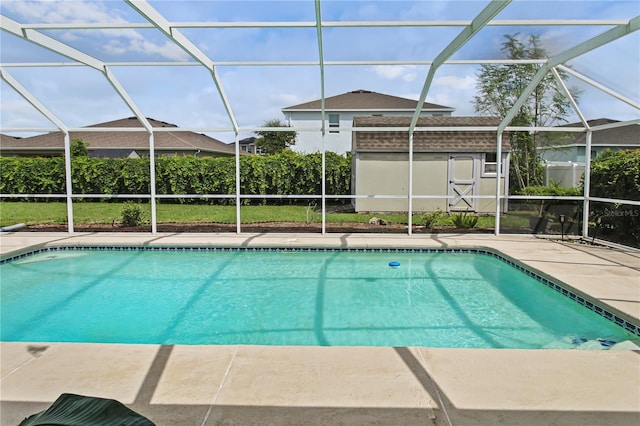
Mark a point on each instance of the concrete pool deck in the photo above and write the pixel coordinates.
(244, 385)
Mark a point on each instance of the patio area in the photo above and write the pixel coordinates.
(243, 385)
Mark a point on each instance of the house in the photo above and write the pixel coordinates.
(564, 156)
(248, 146)
(459, 164)
(119, 144)
(571, 147)
(340, 111)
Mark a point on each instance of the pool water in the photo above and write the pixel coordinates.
(328, 298)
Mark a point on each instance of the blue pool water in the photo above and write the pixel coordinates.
(329, 298)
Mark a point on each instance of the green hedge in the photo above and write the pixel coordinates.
(616, 174)
(286, 173)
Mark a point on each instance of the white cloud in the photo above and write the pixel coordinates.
(168, 49)
(455, 82)
(286, 99)
(409, 77)
(60, 11)
(17, 113)
(70, 11)
(393, 72)
(68, 36)
(187, 95)
(114, 47)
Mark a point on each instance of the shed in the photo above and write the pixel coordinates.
(454, 165)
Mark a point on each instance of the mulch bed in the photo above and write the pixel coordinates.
(264, 227)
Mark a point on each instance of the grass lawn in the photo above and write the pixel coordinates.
(107, 213)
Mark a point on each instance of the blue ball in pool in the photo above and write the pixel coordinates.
(394, 264)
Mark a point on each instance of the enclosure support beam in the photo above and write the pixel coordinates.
(602, 87)
(580, 49)
(479, 22)
(557, 60)
(498, 186)
(482, 19)
(238, 200)
(322, 114)
(49, 43)
(410, 188)
(152, 153)
(35, 102)
(68, 51)
(587, 185)
(159, 21)
(567, 93)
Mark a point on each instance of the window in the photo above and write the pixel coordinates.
(490, 164)
(334, 123)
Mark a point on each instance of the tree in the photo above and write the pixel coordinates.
(79, 148)
(500, 85)
(274, 141)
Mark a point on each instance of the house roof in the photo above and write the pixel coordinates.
(365, 100)
(163, 141)
(8, 140)
(428, 141)
(628, 135)
(245, 141)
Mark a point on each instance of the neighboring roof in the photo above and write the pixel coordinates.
(428, 141)
(245, 141)
(8, 139)
(628, 135)
(365, 100)
(163, 141)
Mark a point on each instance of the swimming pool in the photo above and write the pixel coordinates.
(434, 298)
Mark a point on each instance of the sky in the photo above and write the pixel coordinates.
(188, 96)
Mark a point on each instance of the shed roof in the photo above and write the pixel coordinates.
(365, 100)
(428, 141)
(163, 141)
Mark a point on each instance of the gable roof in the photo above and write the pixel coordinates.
(8, 139)
(628, 135)
(365, 100)
(115, 140)
(428, 141)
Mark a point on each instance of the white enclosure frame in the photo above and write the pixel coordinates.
(172, 30)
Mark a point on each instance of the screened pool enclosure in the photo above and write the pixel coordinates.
(224, 68)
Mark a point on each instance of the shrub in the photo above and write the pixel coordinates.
(132, 214)
(616, 174)
(79, 148)
(464, 221)
(431, 218)
(285, 173)
(551, 190)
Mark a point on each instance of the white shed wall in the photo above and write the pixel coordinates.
(381, 174)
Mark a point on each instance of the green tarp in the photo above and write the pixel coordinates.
(78, 410)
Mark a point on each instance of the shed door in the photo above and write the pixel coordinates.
(462, 182)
